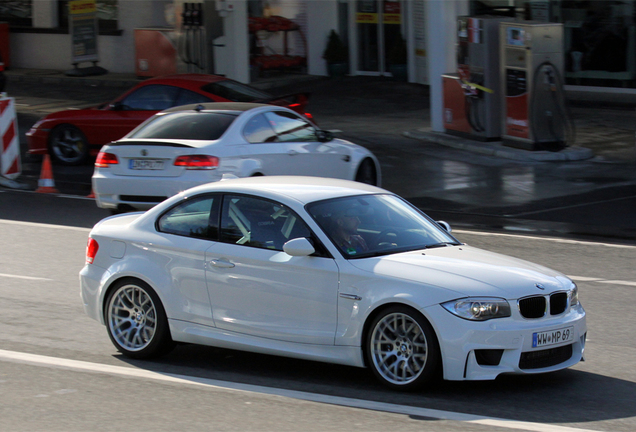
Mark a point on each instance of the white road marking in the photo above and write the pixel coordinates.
(45, 361)
(584, 279)
(24, 277)
(43, 225)
(552, 239)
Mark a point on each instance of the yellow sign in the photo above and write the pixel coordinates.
(391, 18)
(367, 18)
(82, 7)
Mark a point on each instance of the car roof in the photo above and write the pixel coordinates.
(302, 189)
(201, 79)
(219, 106)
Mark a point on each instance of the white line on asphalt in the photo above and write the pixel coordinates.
(552, 239)
(45, 361)
(24, 277)
(43, 225)
(603, 281)
(584, 279)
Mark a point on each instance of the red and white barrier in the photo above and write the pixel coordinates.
(10, 166)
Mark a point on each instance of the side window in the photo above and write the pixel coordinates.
(196, 217)
(187, 97)
(259, 223)
(290, 127)
(151, 98)
(258, 130)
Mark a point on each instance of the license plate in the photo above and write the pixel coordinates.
(552, 337)
(146, 164)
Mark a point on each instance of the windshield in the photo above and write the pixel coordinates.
(204, 126)
(373, 225)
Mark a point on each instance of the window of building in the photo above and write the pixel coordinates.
(17, 13)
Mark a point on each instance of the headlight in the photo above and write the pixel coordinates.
(573, 296)
(478, 309)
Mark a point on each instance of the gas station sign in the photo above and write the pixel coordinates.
(83, 28)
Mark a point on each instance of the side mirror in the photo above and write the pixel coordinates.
(116, 106)
(299, 247)
(446, 226)
(324, 136)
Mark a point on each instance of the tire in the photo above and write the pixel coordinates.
(136, 321)
(402, 350)
(68, 145)
(367, 173)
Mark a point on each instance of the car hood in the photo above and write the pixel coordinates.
(467, 271)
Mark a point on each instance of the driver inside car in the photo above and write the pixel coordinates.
(345, 231)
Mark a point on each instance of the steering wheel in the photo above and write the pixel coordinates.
(384, 240)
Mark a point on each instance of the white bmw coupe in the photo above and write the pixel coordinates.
(328, 270)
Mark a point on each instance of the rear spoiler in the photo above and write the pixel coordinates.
(149, 143)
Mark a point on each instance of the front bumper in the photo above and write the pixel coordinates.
(37, 141)
(462, 342)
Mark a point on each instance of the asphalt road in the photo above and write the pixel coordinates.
(59, 371)
(576, 199)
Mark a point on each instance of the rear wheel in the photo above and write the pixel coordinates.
(402, 349)
(367, 173)
(68, 145)
(136, 321)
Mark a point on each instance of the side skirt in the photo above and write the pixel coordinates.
(188, 332)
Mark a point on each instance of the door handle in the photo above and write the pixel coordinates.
(292, 152)
(221, 263)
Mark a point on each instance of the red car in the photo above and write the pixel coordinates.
(71, 136)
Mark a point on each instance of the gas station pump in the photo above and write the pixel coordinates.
(472, 105)
(535, 114)
(198, 23)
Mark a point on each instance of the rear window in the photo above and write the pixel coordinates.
(235, 91)
(203, 126)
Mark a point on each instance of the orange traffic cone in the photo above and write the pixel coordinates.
(91, 195)
(46, 183)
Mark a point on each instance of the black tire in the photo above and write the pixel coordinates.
(402, 350)
(68, 145)
(136, 320)
(367, 173)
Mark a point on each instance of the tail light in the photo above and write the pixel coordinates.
(197, 162)
(91, 250)
(104, 160)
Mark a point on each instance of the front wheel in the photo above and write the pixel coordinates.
(402, 349)
(68, 145)
(136, 321)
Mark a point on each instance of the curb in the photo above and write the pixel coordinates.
(497, 149)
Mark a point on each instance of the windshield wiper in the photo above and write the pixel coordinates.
(442, 244)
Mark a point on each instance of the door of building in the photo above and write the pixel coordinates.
(379, 26)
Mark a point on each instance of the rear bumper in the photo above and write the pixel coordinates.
(142, 193)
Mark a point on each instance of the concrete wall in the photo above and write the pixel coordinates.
(323, 16)
(116, 53)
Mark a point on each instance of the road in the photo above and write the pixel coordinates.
(59, 371)
(578, 199)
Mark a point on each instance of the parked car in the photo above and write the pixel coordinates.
(327, 270)
(71, 136)
(186, 146)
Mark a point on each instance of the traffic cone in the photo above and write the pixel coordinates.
(91, 195)
(46, 183)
